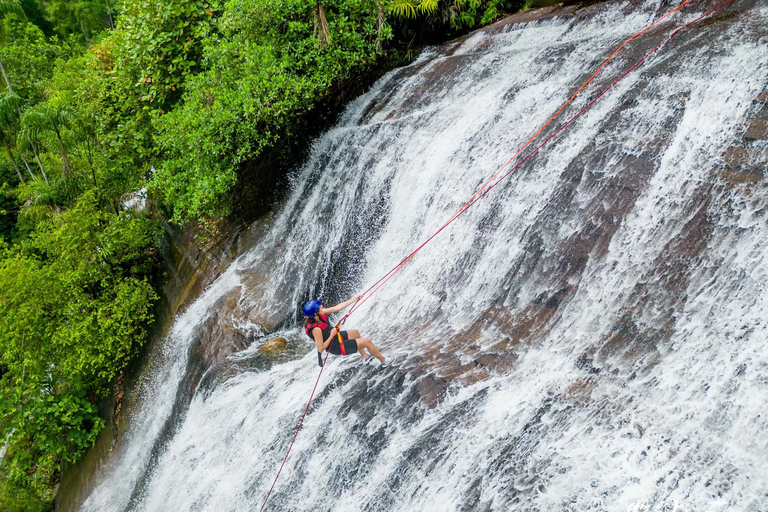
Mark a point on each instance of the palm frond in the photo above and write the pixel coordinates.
(47, 115)
(427, 6)
(35, 120)
(11, 6)
(402, 8)
(63, 117)
(39, 202)
(25, 141)
(9, 104)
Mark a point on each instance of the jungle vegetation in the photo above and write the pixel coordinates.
(117, 116)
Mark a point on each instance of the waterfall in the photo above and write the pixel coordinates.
(589, 336)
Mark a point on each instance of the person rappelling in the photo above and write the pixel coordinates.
(340, 343)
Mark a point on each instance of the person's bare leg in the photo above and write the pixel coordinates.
(365, 343)
(354, 334)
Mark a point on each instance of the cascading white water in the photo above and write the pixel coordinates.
(590, 336)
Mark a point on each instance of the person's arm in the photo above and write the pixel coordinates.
(317, 334)
(339, 307)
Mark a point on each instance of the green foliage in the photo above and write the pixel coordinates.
(154, 49)
(42, 424)
(28, 57)
(16, 498)
(11, 7)
(35, 14)
(79, 20)
(402, 8)
(77, 301)
(38, 200)
(81, 287)
(265, 69)
(51, 115)
(8, 208)
(457, 14)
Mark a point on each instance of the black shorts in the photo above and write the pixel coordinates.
(350, 346)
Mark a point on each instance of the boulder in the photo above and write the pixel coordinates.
(273, 346)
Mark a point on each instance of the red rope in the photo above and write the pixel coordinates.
(297, 432)
(488, 186)
(528, 142)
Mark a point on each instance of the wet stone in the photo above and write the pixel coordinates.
(273, 346)
(498, 362)
(278, 351)
(734, 178)
(757, 129)
(750, 156)
(762, 112)
(627, 350)
(218, 337)
(432, 389)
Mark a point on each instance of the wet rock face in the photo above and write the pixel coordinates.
(746, 162)
(218, 337)
(596, 193)
(215, 339)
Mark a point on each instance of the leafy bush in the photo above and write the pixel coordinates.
(42, 425)
(28, 56)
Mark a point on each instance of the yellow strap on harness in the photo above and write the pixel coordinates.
(341, 341)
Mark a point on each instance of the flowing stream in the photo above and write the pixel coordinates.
(590, 336)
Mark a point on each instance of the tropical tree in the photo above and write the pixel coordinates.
(321, 32)
(9, 117)
(8, 7)
(38, 200)
(4, 136)
(82, 18)
(51, 115)
(380, 19)
(35, 53)
(8, 104)
(457, 14)
(27, 141)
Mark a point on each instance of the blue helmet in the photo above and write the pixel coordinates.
(311, 307)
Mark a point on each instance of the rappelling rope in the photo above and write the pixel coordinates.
(491, 184)
(375, 286)
(297, 430)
